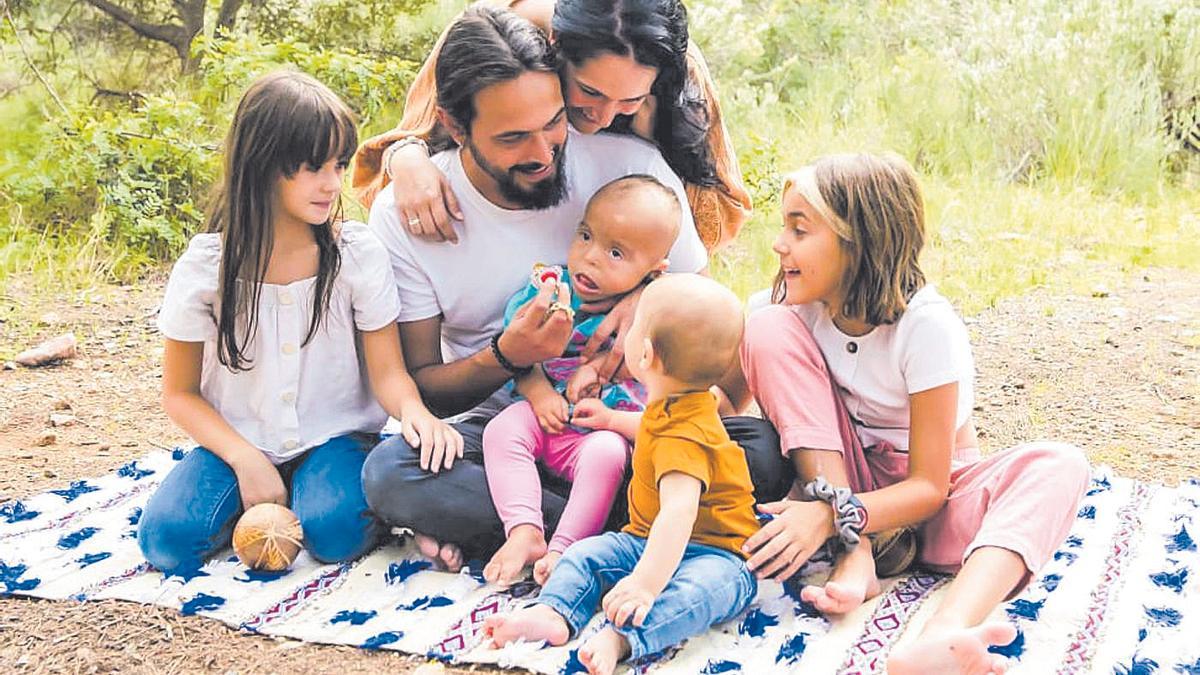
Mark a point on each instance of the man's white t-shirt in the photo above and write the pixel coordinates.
(470, 282)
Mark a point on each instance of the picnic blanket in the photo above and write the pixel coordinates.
(1122, 595)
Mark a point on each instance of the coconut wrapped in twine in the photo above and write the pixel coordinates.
(268, 537)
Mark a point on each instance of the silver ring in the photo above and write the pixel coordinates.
(415, 220)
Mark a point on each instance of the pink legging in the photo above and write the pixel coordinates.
(594, 462)
(1022, 499)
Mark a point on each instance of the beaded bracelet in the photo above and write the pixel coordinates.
(849, 515)
(514, 370)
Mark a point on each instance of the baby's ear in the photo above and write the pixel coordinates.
(658, 269)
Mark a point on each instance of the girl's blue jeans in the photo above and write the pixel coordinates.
(192, 514)
(711, 586)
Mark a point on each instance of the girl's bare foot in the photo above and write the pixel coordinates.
(446, 556)
(961, 651)
(525, 544)
(853, 582)
(543, 567)
(603, 651)
(533, 623)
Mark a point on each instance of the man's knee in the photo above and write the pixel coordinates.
(391, 464)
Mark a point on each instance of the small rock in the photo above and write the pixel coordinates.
(51, 351)
(128, 444)
(46, 438)
(24, 454)
(61, 404)
(10, 365)
(50, 473)
(1100, 292)
(1167, 318)
(61, 419)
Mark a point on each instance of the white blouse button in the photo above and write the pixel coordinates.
(291, 444)
(288, 397)
(289, 348)
(285, 298)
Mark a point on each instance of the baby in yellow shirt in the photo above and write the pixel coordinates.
(677, 568)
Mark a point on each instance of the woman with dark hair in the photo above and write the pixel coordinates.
(627, 66)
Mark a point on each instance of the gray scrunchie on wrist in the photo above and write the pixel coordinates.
(849, 516)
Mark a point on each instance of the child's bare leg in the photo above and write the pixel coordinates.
(543, 567)
(955, 640)
(603, 651)
(525, 544)
(853, 581)
(536, 622)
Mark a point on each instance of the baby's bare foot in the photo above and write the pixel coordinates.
(603, 651)
(537, 622)
(525, 544)
(962, 651)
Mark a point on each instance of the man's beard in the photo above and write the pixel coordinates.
(544, 194)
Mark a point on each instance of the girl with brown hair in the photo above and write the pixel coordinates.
(273, 321)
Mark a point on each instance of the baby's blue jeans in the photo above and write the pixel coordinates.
(711, 586)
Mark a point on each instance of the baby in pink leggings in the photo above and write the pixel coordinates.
(866, 372)
(622, 242)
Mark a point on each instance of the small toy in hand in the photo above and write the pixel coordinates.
(546, 274)
(551, 274)
(268, 537)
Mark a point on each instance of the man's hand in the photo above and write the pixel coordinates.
(628, 599)
(616, 322)
(584, 383)
(535, 333)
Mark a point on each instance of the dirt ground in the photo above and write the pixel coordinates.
(1114, 371)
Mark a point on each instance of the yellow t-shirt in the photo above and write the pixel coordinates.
(685, 434)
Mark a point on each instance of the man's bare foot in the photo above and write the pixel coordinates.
(525, 544)
(603, 651)
(446, 556)
(543, 567)
(852, 583)
(961, 651)
(533, 623)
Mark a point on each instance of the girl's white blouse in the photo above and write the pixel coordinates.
(295, 396)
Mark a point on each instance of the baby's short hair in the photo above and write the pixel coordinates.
(620, 188)
(695, 325)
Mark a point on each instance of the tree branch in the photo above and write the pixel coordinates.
(169, 33)
(20, 43)
(227, 15)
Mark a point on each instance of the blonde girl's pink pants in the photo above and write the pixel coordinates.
(1022, 499)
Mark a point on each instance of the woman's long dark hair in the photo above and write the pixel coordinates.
(286, 121)
(654, 33)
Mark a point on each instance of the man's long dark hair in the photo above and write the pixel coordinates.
(486, 46)
(285, 122)
(654, 33)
